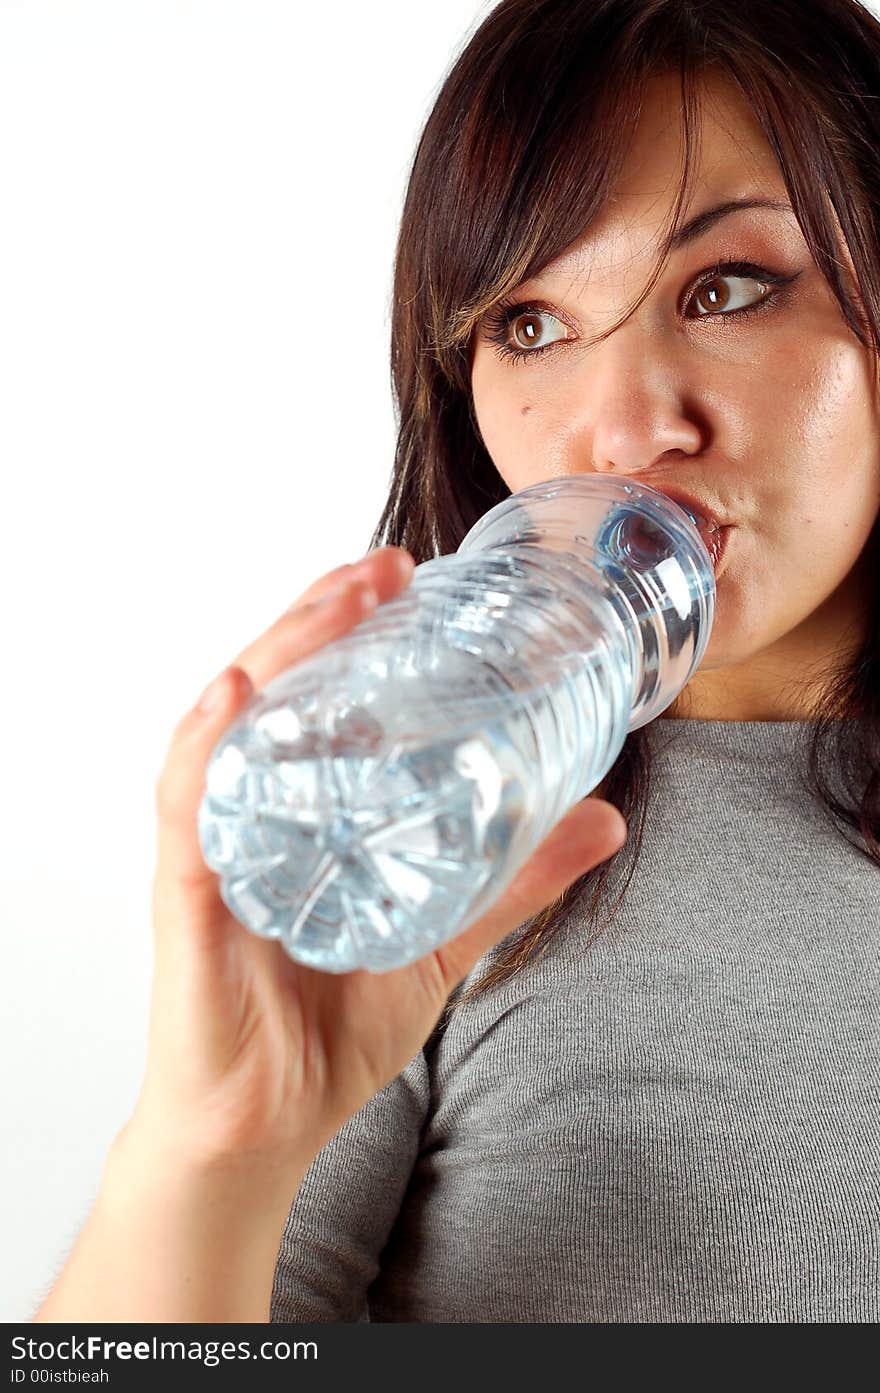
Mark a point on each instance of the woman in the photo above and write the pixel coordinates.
(662, 1108)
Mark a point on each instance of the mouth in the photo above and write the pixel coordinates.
(713, 532)
(715, 542)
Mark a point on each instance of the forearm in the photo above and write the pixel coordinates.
(165, 1242)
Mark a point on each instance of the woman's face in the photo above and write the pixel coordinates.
(768, 415)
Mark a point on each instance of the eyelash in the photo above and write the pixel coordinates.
(498, 320)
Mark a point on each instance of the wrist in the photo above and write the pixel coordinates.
(210, 1141)
(188, 1239)
(147, 1156)
(173, 1238)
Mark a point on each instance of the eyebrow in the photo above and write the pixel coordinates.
(695, 227)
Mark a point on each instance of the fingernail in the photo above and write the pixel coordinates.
(362, 567)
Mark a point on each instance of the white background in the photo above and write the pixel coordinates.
(199, 204)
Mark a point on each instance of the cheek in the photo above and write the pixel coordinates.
(794, 395)
(832, 456)
(525, 435)
(835, 411)
(809, 470)
(825, 383)
(506, 420)
(802, 432)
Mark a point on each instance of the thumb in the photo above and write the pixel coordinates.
(589, 833)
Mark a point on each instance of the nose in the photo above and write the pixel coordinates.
(634, 409)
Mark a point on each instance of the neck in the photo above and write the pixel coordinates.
(787, 680)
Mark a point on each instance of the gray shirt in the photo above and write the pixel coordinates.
(679, 1123)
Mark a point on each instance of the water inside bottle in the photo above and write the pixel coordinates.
(358, 840)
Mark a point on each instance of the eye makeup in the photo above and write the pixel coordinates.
(498, 321)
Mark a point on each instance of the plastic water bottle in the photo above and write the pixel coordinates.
(374, 800)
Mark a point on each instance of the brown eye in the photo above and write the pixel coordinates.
(515, 329)
(531, 332)
(725, 293)
(526, 327)
(714, 295)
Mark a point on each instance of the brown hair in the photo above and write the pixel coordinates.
(500, 186)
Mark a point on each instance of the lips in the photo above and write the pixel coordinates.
(715, 542)
(701, 513)
(713, 531)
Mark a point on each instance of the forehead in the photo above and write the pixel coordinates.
(732, 160)
(731, 147)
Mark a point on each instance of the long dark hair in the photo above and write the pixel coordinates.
(500, 187)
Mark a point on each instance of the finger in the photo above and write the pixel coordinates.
(333, 609)
(298, 633)
(375, 566)
(591, 832)
(181, 783)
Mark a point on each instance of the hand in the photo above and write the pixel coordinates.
(251, 1053)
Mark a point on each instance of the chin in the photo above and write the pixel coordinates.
(731, 642)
